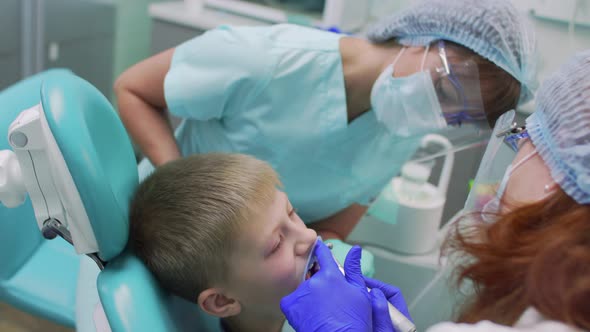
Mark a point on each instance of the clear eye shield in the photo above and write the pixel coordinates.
(500, 152)
(456, 85)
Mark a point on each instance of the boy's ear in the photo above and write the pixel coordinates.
(215, 302)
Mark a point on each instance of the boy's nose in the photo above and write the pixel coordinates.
(306, 242)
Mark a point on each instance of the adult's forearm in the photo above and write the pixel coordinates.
(148, 127)
(341, 224)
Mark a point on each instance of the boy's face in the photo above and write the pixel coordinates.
(269, 258)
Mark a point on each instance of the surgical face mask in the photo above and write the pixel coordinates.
(492, 208)
(409, 105)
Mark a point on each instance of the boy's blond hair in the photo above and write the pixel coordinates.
(185, 216)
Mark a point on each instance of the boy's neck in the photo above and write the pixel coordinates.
(241, 323)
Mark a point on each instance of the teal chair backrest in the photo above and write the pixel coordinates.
(98, 154)
(19, 234)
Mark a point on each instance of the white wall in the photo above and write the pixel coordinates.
(551, 21)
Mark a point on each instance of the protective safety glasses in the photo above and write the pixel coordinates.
(457, 87)
(513, 136)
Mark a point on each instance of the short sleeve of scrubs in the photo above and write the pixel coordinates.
(206, 70)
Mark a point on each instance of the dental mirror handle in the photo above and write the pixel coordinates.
(400, 322)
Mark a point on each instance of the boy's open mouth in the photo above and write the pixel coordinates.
(315, 267)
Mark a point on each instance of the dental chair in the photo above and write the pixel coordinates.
(35, 274)
(68, 151)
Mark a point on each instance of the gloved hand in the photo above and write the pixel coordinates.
(340, 250)
(330, 301)
(381, 293)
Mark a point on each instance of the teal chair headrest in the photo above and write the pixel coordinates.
(98, 154)
(133, 301)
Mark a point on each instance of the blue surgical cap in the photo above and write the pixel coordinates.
(560, 126)
(493, 29)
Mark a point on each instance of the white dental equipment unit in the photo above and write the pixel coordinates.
(406, 216)
(37, 167)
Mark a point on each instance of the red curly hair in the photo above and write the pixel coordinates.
(536, 255)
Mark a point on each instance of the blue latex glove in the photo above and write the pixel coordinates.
(381, 293)
(330, 301)
(340, 250)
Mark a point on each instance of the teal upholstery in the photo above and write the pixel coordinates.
(130, 299)
(133, 301)
(36, 275)
(45, 285)
(98, 153)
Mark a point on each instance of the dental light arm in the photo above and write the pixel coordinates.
(36, 166)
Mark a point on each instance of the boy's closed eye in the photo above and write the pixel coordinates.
(277, 245)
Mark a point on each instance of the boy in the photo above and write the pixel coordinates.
(215, 230)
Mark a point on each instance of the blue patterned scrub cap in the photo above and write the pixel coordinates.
(560, 126)
(493, 29)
